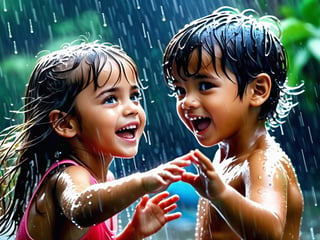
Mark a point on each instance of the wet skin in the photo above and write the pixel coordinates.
(250, 189)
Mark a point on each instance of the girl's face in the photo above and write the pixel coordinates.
(111, 119)
(208, 103)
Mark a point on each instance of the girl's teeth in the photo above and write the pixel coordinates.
(128, 127)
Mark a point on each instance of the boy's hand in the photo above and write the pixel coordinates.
(152, 214)
(159, 179)
(207, 183)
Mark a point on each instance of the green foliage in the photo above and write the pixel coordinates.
(16, 69)
(87, 25)
(301, 38)
(14, 72)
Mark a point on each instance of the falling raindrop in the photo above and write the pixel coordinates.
(31, 26)
(54, 17)
(162, 14)
(5, 6)
(104, 23)
(15, 51)
(9, 30)
(314, 196)
(138, 4)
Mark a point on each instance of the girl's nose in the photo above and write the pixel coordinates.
(131, 108)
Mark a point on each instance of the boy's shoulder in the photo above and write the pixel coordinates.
(270, 160)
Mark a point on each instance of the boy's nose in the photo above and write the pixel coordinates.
(189, 103)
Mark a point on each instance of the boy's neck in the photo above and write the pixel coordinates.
(244, 143)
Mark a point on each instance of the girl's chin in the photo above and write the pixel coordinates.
(127, 154)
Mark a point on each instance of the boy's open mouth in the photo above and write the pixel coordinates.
(200, 123)
(128, 132)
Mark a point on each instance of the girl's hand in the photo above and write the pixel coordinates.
(152, 214)
(207, 183)
(159, 179)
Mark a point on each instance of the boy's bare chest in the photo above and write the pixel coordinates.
(231, 172)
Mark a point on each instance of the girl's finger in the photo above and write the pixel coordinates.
(182, 161)
(169, 201)
(159, 197)
(172, 216)
(144, 200)
(169, 208)
(189, 178)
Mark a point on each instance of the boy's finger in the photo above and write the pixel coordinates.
(203, 161)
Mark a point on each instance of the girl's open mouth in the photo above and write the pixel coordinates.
(128, 132)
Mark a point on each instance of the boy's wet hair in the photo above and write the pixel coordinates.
(249, 45)
(28, 149)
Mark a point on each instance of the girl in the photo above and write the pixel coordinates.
(81, 109)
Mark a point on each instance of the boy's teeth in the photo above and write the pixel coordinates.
(195, 118)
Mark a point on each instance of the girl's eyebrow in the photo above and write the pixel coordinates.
(109, 90)
(116, 89)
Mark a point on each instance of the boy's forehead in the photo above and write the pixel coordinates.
(196, 59)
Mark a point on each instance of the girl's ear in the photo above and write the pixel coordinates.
(64, 125)
(260, 89)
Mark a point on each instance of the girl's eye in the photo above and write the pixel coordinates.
(136, 97)
(203, 86)
(110, 100)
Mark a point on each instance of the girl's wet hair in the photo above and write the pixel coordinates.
(249, 45)
(29, 148)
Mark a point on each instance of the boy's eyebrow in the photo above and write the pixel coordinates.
(201, 76)
(197, 76)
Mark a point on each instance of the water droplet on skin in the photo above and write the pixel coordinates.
(89, 196)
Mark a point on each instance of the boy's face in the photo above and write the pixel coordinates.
(111, 119)
(208, 103)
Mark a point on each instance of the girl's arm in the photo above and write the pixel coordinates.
(261, 214)
(150, 216)
(86, 204)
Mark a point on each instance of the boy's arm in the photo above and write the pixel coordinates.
(261, 214)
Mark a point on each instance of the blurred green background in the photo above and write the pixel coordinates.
(143, 28)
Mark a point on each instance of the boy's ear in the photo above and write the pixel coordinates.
(260, 89)
(64, 125)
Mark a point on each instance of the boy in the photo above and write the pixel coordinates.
(228, 72)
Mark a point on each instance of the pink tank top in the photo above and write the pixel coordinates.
(102, 231)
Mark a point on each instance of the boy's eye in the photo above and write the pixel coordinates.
(110, 100)
(179, 91)
(203, 86)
